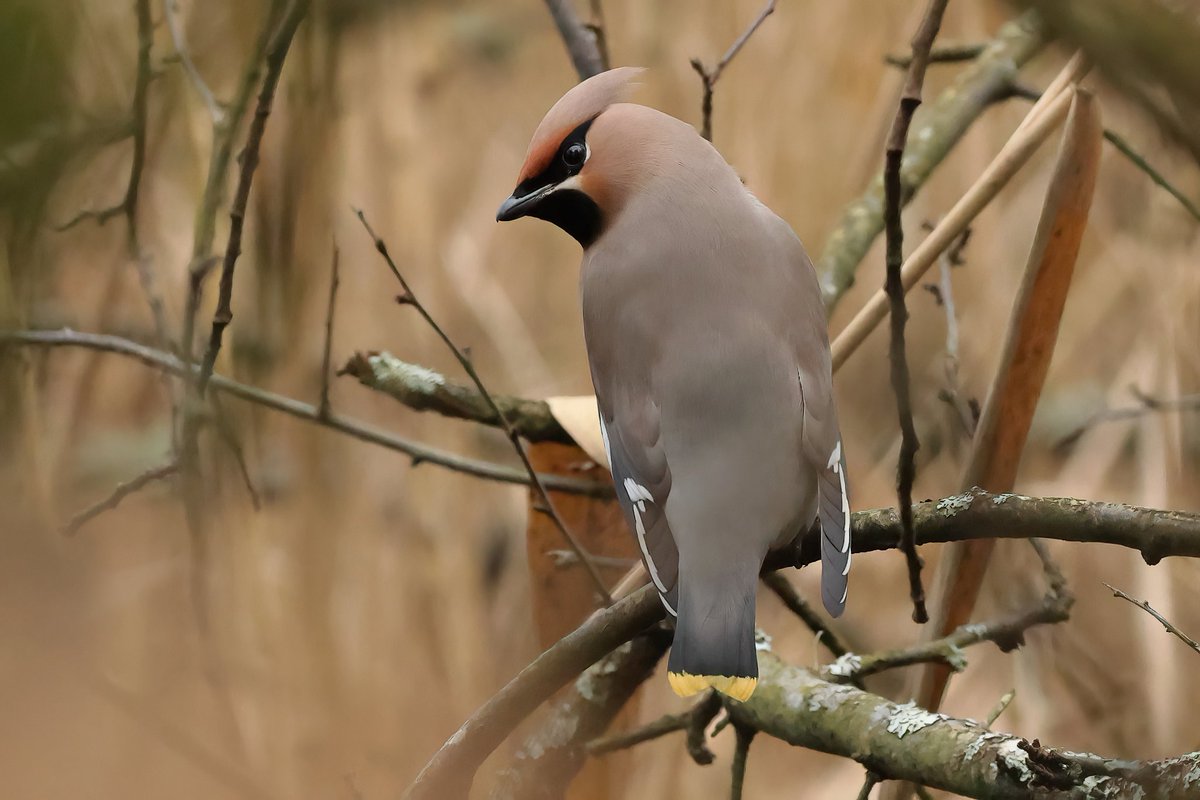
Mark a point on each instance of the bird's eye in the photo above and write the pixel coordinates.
(574, 155)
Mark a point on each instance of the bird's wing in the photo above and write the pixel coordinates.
(643, 481)
(823, 441)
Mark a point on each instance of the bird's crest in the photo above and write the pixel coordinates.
(583, 102)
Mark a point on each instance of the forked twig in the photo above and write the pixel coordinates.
(409, 298)
(709, 77)
(922, 43)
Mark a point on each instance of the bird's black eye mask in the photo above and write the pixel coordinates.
(569, 209)
(569, 159)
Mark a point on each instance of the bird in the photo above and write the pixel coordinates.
(709, 352)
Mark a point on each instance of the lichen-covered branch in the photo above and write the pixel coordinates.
(423, 389)
(904, 742)
(553, 754)
(974, 514)
(419, 453)
(936, 130)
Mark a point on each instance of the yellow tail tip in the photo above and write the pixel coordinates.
(685, 684)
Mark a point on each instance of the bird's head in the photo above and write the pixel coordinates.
(574, 173)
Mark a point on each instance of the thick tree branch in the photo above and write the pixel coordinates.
(972, 515)
(553, 755)
(935, 133)
(904, 742)
(422, 389)
(897, 139)
(582, 44)
(419, 453)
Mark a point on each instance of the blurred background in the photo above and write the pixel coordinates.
(353, 622)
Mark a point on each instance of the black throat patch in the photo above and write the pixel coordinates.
(570, 209)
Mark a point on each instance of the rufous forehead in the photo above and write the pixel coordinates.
(542, 151)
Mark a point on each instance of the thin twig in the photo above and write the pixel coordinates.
(1147, 404)
(741, 752)
(277, 50)
(966, 411)
(323, 406)
(1166, 623)
(409, 298)
(941, 54)
(709, 78)
(171, 13)
(226, 432)
(787, 593)
(695, 721)
(1003, 704)
(906, 470)
(1008, 635)
(419, 453)
(223, 133)
(128, 204)
(870, 781)
(1129, 152)
(118, 494)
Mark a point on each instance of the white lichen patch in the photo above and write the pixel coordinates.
(589, 684)
(955, 503)
(1015, 760)
(828, 698)
(910, 718)
(1103, 787)
(977, 744)
(845, 666)
(395, 373)
(1190, 760)
(956, 658)
(762, 641)
(1001, 499)
(976, 630)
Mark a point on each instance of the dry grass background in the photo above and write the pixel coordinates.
(356, 619)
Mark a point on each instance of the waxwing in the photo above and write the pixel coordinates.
(708, 349)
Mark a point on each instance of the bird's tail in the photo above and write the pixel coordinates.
(714, 635)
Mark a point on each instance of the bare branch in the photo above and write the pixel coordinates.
(423, 389)
(906, 470)
(118, 494)
(1041, 120)
(323, 407)
(128, 204)
(937, 130)
(599, 30)
(410, 298)
(1007, 634)
(582, 44)
(709, 78)
(788, 595)
(1003, 703)
(1166, 623)
(741, 751)
(905, 742)
(973, 515)
(276, 52)
(940, 54)
(695, 721)
(419, 453)
(1146, 405)
(171, 13)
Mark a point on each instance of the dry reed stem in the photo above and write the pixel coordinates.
(1029, 345)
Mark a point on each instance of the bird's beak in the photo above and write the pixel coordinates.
(516, 207)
